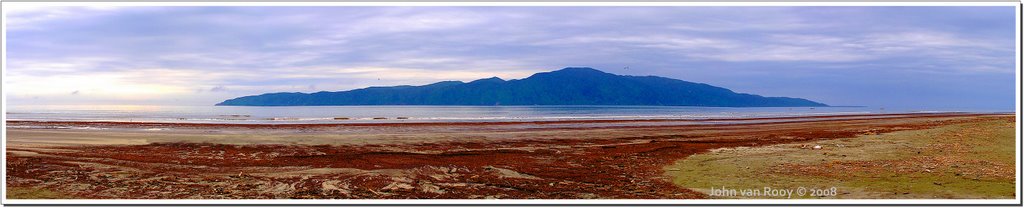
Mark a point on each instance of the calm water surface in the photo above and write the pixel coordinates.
(358, 114)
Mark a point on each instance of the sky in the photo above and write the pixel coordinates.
(917, 57)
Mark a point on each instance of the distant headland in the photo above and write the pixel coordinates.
(568, 86)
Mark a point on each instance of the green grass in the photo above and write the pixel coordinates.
(986, 147)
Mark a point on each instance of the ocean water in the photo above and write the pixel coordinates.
(370, 114)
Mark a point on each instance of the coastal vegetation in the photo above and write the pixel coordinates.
(968, 160)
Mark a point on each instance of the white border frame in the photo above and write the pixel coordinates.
(456, 202)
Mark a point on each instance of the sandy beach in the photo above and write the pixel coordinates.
(579, 159)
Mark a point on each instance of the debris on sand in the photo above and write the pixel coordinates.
(398, 186)
(506, 173)
(431, 188)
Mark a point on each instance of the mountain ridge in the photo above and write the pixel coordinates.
(568, 86)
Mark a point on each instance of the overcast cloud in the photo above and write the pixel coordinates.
(957, 57)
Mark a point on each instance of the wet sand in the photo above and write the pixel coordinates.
(549, 159)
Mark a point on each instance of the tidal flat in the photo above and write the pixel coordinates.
(607, 159)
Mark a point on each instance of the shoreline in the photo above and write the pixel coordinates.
(130, 124)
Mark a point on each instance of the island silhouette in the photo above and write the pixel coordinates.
(568, 86)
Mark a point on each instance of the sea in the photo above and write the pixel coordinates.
(390, 114)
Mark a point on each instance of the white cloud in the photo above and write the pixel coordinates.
(782, 53)
(21, 16)
(391, 73)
